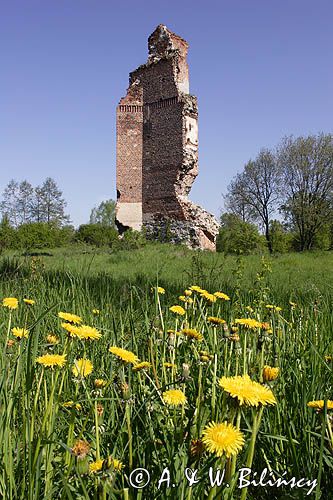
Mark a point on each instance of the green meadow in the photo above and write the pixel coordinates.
(191, 388)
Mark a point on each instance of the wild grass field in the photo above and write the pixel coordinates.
(102, 376)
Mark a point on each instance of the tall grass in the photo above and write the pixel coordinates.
(127, 419)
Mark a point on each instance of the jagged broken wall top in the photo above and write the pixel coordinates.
(157, 139)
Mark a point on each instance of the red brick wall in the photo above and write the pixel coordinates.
(129, 147)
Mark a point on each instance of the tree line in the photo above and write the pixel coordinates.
(287, 192)
(22, 203)
(35, 218)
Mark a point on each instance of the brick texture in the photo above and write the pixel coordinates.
(157, 148)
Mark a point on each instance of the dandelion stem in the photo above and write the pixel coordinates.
(250, 454)
(97, 433)
(129, 433)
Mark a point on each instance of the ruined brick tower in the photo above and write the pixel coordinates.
(157, 149)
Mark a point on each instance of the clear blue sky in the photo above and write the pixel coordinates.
(261, 69)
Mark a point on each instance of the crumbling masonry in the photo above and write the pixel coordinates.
(157, 149)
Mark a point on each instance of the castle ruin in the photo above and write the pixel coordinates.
(157, 149)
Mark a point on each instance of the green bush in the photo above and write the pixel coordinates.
(239, 237)
(42, 235)
(132, 240)
(7, 235)
(281, 240)
(97, 235)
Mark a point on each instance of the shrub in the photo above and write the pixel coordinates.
(42, 235)
(97, 234)
(238, 237)
(281, 240)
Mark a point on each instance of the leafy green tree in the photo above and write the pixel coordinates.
(254, 194)
(307, 172)
(24, 202)
(238, 237)
(9, 203)
(104, 214)
(49, 205)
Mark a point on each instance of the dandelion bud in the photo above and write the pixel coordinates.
(185, 371)
(125, 391)
(234, 337)
(171, 340)
(52, 339)
(269, 373)
(197, 448)
(100, 409)
(204, 359)
(99, 383)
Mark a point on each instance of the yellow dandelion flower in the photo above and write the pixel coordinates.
(319, 405)
(204, 358)
(96, 312)
(188, 300)
(160, 290)
(174, 397)
(96, 466)
(221, 295)
(266, 326)
(99, 383)
(71, 329)
(208, 296)
(215, 321)
(51, 360)
(188, 293)
(82, 367)
(191, 333)
(20, 333)
(222, 439)
(10, 303)
(144, 365)
(274, 308)
(328, 358)
(52, 339)
(248, 322)
(29, 302)
(113, 463)
(72, 405)
(247, 391)
(206, 353)
(85, 332)
(196, 288)
(269, 373)
(124, 355)
(71, 318)
(177, 310)
(108, 463)
(173, 332)
(169, 365)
